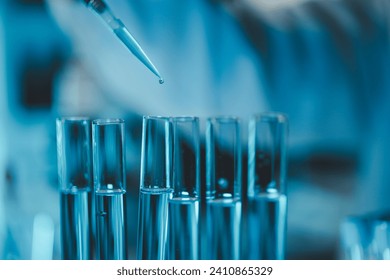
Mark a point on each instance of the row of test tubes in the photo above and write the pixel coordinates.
(91, 207)
(178, 218)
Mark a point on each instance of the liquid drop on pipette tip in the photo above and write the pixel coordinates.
(161, 81)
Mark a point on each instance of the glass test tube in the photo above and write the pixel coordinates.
(110, 187)
(75, 182)
(267, 201)
(155, 188)
(183, 231)
(223, 188)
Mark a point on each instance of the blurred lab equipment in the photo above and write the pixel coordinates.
(32, 49)
(184, 205)
(267, 182)
(223, 189)
(155, 187)
(365, 237)
(43, 237)
(74, 152)
(3, 156)
(108, 143)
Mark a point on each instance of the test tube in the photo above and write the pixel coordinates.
(183, 233)
(223, 188)
(75, 183)
(155, 187)
(267, 200)
(110, 187)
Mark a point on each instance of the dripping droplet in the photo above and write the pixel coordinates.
(161, 81)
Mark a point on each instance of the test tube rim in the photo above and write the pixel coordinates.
(185, 118)
(278, 117)
(73, 119)
(224, 119)
(156, 117)
(108, 121)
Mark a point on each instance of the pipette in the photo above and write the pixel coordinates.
(101, 8)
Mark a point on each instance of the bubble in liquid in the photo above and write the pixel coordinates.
(223, 183)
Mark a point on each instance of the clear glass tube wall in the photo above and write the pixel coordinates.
(155, 187)
(223, 188)
(75, 182)
(183, 233)
(267, 200)
(110, 187)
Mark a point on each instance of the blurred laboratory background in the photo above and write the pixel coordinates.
(324, 63)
